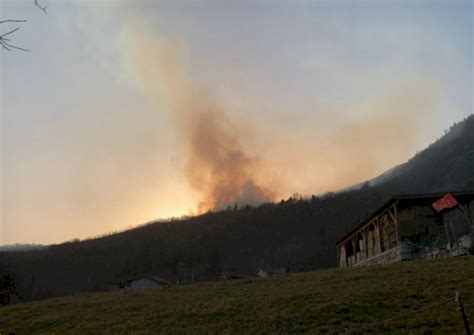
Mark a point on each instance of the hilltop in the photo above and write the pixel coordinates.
(413, 297)
(298, 233)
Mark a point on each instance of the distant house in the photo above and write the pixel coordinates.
(410, 227)
(262, 273)
(139, 282)
(265, 273)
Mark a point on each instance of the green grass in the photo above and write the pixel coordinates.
(403, 298)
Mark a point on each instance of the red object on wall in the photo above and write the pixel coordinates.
(446, 201)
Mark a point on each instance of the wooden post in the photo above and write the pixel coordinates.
(342, 256)
(395, 213)
(463, 314)
(354, 250)
(465, 214)
(452, 230)
(455, 239)
(366, 238)
(379, 233)
(447, 235)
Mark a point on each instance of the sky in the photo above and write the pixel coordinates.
(124, 112)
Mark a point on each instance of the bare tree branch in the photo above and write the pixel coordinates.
(5, 42)
(40, 7)
(7, 46)
(12, 21)
(2, 36)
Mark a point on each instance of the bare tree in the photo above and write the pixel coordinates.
(5, 38)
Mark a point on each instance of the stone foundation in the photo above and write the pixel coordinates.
(399, 253)
(407, 251)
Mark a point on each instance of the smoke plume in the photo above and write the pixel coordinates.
(218, 165)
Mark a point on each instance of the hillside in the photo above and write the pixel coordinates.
(412, 297)
(297, 234)
(447, 161)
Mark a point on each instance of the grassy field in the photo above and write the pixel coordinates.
(403, 298)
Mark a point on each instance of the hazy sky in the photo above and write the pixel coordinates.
(102, 121)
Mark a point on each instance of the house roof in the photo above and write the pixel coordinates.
(138, 277)
(401, 197)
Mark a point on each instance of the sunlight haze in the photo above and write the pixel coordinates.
(124, 112)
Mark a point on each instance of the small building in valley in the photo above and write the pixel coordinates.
(410, 227)
(265, 273)
(139, 282)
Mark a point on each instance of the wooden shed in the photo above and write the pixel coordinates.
(408, 227)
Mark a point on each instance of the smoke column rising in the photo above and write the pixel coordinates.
(218, 166)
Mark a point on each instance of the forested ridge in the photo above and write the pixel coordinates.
(298, 234)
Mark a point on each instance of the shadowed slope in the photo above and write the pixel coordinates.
(415, 297)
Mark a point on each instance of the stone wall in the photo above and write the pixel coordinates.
(399, 253)
(459, 247)
(408, 251)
